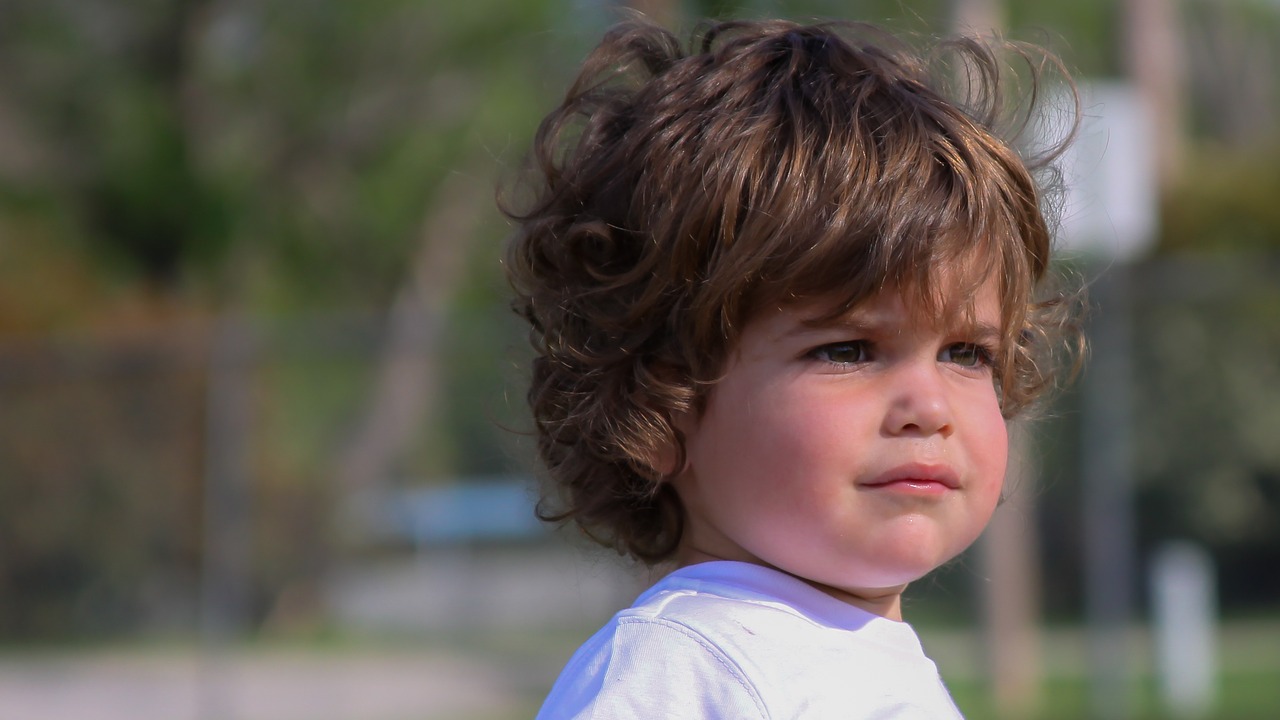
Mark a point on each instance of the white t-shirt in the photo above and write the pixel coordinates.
(730, 640)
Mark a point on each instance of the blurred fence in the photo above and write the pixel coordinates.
(112, 451)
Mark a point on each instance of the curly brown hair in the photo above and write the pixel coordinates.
(675, 192)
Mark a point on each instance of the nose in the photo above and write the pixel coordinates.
(919, 403)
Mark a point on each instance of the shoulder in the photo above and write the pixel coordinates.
(732, 642)
(643, 666)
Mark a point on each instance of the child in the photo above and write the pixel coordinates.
(781, 294)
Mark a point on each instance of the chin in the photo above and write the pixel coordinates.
(874, 580)
(904, 574)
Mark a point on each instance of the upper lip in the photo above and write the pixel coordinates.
(927, 472)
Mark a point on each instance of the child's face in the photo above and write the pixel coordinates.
(858, 456)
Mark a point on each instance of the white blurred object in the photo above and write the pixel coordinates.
(1185, 611)
(1110, 174)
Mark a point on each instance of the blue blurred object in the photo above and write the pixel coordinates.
(490, 508)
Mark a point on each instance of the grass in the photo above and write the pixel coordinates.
(1241, 696)
(1248, 679)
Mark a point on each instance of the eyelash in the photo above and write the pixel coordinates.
(823, 353)
(984, 356)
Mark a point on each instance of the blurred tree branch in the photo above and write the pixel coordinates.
(408, 374)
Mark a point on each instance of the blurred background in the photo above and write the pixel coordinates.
(263, 447)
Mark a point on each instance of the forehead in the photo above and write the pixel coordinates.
(954, 294)
(976, 316)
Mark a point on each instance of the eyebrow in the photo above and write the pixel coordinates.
(983, 331)
(861, 323)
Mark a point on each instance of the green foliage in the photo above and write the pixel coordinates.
(282, 157)
(303, 140)
(1208, 406)
(1224, 201)
(1086, 33)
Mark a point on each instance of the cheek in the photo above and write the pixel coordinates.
(790, 427)
(992, 451)
(987, 438)
(997, 444)
(753, 437)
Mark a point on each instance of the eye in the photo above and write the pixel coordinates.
(966, 355)
(842, 353)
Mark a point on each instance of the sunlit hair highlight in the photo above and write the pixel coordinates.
(676, 193)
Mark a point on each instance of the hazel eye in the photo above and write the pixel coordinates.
(966, 355)
(842, 353)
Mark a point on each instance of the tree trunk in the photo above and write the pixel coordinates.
(1154, 56)
(407, 381)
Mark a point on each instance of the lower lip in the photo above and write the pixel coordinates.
(920, 488)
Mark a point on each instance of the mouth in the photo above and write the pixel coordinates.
(916, 479)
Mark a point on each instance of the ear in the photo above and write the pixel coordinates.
(672, 459)
(665, 462)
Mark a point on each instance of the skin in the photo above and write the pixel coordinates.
(857, 456)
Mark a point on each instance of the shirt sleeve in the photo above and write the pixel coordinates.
(653, 668)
